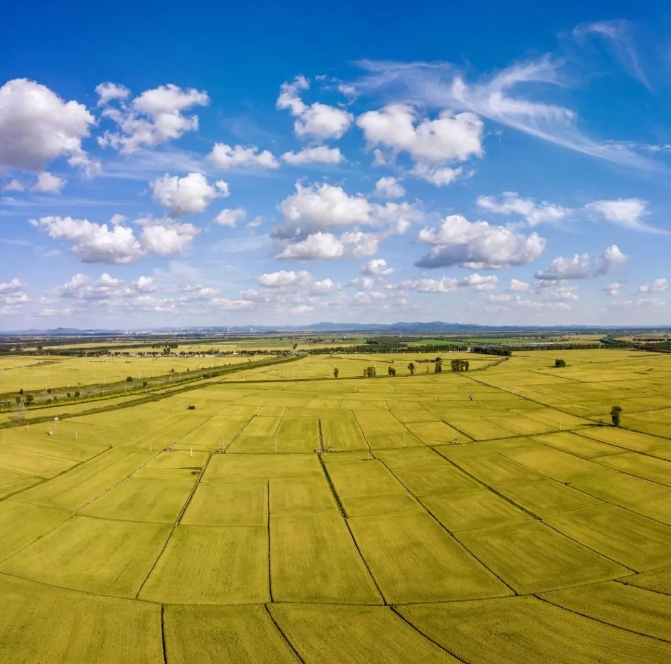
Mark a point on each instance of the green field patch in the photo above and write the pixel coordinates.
(658, 581)
(646, 498)
(621, 605)
(345, 435)
(75, 488)
(646, 467)
(21, 524)
(630, 440)
(239, 411)
(527, 630)
(407, 458)
(477, 427)
(313, 559)
(175, 465)
(580, 446)
(519, 425)
(350, 635)
(214, 434)
(472, 509)
(61, 444)
(490, 468)
(229, 468)
(139, 499)
(363, 478)
(300, 496)
(440, 477)
(263, 426)
(300, 433)
(630, 539)
(435, 433)
(41, 624)
(378, 422)
(396, 440)
(557, 465)
(531, 557)
(543, 497)
(211, 565)
(271, 411)
(228, 505)
(224, 635)
(413, 559)
(347, 457)
(94, 555)
(361, 405)
(412, 412)
(552, 418)
(382, 505)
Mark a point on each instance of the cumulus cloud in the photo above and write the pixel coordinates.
(624, 212)
(227, 157)
(612, 289)
(476, 282)
(12, 296)
(477, 245)
(187, 195)
(49, 184)
(580, 266)
(389, 187)
(376, 266)
(317, 121)
(316, 155)
(518, 286)
(324, 286)
(14, 185)
(117, 243)
(656, 286)
(431, 144)
(152, 118)
(37, 126)
(230, 217)
(327, 246)
(510, 203)
(283, 279)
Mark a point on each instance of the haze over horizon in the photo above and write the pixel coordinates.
(239, 166)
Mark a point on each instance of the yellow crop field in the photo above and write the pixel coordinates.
(280, 514)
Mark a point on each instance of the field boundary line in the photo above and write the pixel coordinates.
(239, 433)
(163, 643)
(37, 539)
(363, 433)
(449, 533)
(623, 581)
(341, 507)
(270, 571)
(598, 620)
(282, 634)
(426, 636)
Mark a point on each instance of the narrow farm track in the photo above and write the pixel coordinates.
(251, 541)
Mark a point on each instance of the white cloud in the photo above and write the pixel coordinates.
(187, 195)
(324, 286)
(517, 286)
(227, 157)
(108, 91)
(318, 121)
(82, 287)
(12, 296)
(230, 217)
(624, 212)
(316, 155)
(656, 286)
(37, 126)
(476, 282)
(534, 213)
(498, 97)
(479, 282)
(232, 305)
(612, 289)
(50, 312)
(154, 117)
(117, 243)
(477, 245)
(145, 284)
(48, 183)
(389, 187)
(327, 246)
(283, 279)
(14, 185)
(376, 266)
(430, 143)
(580, 266)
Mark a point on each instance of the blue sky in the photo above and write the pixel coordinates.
(265, 163)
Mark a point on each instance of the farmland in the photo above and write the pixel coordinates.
(279, 514)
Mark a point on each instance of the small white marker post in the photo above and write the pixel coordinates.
(192, 452)
(76, 436)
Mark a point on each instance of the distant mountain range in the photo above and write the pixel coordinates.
(433, 327)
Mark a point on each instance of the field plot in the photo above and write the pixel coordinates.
(291, 516)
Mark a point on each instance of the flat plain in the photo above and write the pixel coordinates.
(488, 516)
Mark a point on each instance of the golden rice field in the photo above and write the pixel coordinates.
(481, 517)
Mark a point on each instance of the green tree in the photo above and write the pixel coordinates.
(411, 368)
(560, 364)
(615, 413)
(335, 372)
(438, 368)
(391, 371)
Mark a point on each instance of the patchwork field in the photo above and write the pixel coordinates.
(482, 517)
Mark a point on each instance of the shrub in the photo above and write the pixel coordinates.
(129, 379)
(560, 364)
(191, 407)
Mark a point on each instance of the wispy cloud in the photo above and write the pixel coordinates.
(508, 97)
